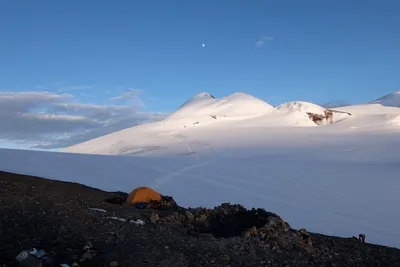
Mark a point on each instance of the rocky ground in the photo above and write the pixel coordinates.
(61, 218)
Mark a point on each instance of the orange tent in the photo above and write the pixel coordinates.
(142, 194)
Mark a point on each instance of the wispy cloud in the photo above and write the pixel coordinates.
(48, 120)
(62, 87)
(69, 88)
(132, 93)
(131, 98)
(263, 40)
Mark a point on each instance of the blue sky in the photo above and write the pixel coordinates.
(279, 51)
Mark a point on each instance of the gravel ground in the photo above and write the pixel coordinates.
(50, 215)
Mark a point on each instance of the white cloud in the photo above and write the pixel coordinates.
(262, 41)
(131, 98)
(51, 120)
(70, 88)
(132, 93)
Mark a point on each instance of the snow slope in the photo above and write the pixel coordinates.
(333, 184)
(390, 100)
(202, 110)
(301, 106)
(338, 179)
(297, 113)
(238, 104)
(371, 117)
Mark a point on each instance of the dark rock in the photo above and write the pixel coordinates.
(206, 237)
(116, 200)
(193, 233)
(67, 257)
(201, 221)
(31, 261)
(250, 232)
(189, 216)
(106, 260)
(113, 264)
(50, 262)
(305, 236)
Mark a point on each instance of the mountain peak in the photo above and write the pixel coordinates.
(203, 95)
(390, 100)
(236, 104)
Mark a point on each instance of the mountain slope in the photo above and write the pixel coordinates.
(238, 104)
(202, 111)
(390, 100)
(302, 113)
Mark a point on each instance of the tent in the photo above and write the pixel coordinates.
(142, 195)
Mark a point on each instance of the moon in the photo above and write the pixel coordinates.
(203, 45)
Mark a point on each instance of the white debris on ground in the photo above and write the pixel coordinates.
(117, 218)
(137, 222)
(97, 209)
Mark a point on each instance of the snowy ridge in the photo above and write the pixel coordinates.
(299, 106)
(297, 113)
(238, 104)
(390, 100)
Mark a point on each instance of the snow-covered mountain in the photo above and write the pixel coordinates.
(330, 171)
(236, 118)
(390, 100)
(238, 104)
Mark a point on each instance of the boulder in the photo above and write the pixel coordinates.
(250, 232)
(306, 237)
(154, 217)
(31, 261)
(189, 216)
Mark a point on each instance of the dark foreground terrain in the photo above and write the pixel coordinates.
(57, 217)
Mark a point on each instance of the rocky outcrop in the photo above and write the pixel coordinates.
(228, 221)
(326, 118)
(320, 119)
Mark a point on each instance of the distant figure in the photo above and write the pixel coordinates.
(361, 238)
